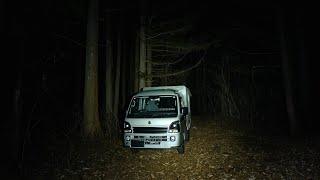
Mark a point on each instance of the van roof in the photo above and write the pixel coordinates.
(156, 92)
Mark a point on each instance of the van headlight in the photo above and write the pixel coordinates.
(174, 127)
(127, 127)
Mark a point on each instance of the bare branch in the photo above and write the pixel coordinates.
(183, 71)
(170, 63)
(168, 32)
(70, 39)
(251, 52)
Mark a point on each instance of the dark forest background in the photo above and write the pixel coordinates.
(250, 64)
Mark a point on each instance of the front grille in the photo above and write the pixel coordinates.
(149, 130)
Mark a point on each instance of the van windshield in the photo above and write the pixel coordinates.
(153, 107)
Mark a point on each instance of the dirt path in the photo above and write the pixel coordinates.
(213, 152)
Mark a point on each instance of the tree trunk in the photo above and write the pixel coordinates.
(117, 77)
(137, 61)
(124, 79)
(142, 69)
(166, 68)
(149, 66)
(109, 117)
(91, 123)
(131, 63)
(16, 140)
(303, 72)
(109, 74)
(287, 75)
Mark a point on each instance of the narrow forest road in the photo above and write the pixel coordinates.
(213, 152)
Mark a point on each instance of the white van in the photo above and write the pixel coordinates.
(158, 117)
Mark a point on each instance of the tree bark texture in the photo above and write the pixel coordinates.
(124, 79)
(287, 75)
(137, 61)
(91, 123)
(109, 73)
(117, 76)
(142, 69)
(149, 66)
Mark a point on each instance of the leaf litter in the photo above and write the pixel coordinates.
(213, 152)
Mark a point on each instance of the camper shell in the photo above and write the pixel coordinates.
(158, 117)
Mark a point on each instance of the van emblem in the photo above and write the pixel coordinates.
(149, 122)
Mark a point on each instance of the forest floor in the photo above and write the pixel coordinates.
(215, 151)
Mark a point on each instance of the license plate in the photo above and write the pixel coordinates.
(137, 143)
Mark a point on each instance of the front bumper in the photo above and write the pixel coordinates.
(158, 141)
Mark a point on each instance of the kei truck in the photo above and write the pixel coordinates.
(158, 117)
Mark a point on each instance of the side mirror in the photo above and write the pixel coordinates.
(185, 110)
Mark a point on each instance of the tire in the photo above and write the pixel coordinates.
(187, 138)
(181, 149)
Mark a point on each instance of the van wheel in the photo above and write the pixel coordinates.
(187, 138)
(181, 149)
